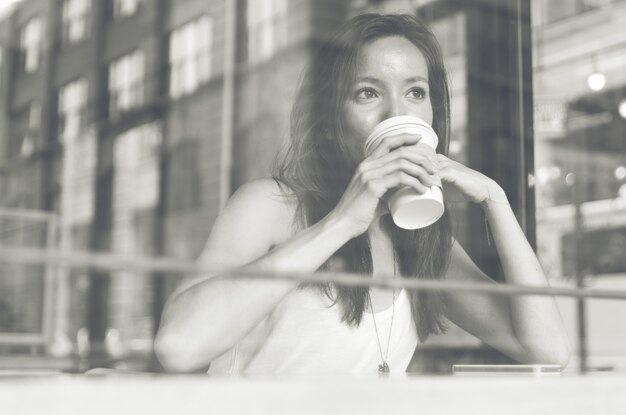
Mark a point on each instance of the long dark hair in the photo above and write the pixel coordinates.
(316, 169)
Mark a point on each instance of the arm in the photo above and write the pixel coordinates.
(527, 328)
(536, 320)
(207, 316)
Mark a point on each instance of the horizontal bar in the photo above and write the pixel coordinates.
(26, 214)
(114, 262)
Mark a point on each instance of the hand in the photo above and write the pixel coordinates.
(395, 161)
(462, 184)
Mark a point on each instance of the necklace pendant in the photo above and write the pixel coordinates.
(383, 368)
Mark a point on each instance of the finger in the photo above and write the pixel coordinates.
(398, 179)
(408, 167)
(445, 174)
(436, 178)
(387, 144)
(411, 154)
(428, 150)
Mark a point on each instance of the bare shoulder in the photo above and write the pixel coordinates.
(259, 215)
(264, 199)
(268, 192)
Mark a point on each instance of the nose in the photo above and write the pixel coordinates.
(394, 107)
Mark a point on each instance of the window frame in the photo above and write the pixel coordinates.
(118, 12)
(133, 91)
(25, 50)
(266, 21)
(80, 110)
(68, 21)
(179, 64)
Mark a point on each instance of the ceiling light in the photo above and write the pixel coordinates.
(596, 81)
(622, 108)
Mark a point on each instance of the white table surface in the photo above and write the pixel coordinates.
(200, 394)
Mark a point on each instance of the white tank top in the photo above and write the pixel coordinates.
(304, 335)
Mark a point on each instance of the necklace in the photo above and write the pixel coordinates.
(383, 368)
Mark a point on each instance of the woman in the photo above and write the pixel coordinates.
(325, 209)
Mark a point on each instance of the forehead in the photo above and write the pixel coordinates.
(390, 57)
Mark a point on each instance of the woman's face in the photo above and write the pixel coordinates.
(391, 80)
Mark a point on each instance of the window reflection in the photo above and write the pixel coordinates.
(31, 44)
(126, 83)
(267, 28)
(190, 56)
(150, 184)
(125, 8)
(76, 18)
(579, 86)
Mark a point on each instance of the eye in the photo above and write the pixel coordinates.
(418, 93)
(365, 93)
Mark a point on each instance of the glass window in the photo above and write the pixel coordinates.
(72, 105)
(78, 179)
(555, 10)
(26, 126)
(539, 106)
(136, 159)
(79, 158)
(25, 289)
(75, 17)
(267, 28)
(125, 8)
(126, 83)
(31, 44)
(580, 162)
(190, 56)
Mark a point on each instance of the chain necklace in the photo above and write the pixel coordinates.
(383, 368)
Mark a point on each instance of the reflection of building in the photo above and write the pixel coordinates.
(120, 116)
(121, 138)
(581, 157)
(578, 130)
(126, 107)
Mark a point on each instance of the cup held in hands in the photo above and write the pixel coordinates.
(409, 209)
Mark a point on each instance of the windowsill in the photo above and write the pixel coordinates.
(201, 89)
(113, 20)
(64, 47)
(24, 74)
(122, 116)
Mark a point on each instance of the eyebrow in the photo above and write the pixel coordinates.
(375, 80)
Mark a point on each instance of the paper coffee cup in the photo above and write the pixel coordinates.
(409, 209)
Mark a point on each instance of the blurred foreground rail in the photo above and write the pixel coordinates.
(113, 262)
